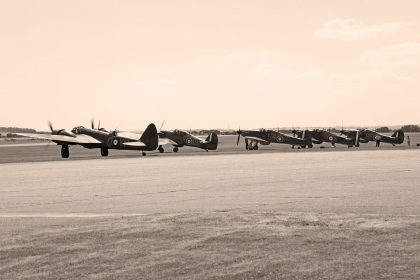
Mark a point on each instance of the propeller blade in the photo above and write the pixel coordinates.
(99, 124)
(161, 125)
(237, 141)
(51, 126)
(92, 123)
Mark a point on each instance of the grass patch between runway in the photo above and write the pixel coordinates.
(212, 245)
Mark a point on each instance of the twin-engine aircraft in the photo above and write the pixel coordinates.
(102, 139)
(180, 138)
(267, 136)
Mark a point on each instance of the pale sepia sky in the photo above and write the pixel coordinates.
(209, 64)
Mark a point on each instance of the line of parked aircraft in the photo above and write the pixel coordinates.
(151, 139)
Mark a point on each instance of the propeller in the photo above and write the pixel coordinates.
(51, 126)
(92, 123)
(294, 131)
(161, 126)
(239, 136)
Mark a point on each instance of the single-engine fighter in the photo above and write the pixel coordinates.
(367, 135)
(321, 135)
(180, 138)
(96, 138)
(267, 136)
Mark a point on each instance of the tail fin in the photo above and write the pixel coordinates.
(150, 137)
(399, 136)
(213, 140)
(307, 135)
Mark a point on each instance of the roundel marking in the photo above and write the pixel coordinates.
(189, 141)
(279, 138)
(330, 138)
(115, 142)
(377, 137)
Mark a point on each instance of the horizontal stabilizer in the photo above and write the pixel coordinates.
(135, 144)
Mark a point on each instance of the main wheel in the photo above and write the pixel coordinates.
(143, 153)
(160, 149)
(65, 152)
(175, 149)
(104, 152)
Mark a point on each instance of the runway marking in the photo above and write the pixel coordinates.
(69, 215)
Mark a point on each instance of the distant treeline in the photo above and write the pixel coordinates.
(17, 130)
(405, 128)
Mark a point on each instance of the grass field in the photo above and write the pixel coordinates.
(213, 245)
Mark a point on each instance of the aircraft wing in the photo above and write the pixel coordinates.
(256, 139)
(79, 139)
(166, 141)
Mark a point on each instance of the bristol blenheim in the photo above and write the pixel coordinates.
(267, 136)
(180, 138)
(102, 139)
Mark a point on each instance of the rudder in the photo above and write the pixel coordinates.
(399, 136)
(150, 137)
(213, 141)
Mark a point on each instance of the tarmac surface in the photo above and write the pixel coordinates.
(384, 181)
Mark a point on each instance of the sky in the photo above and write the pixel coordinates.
(209, 64)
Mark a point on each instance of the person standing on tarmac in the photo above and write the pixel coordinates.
(408, 140)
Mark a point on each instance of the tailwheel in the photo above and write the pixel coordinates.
(160, 149)
(65, 152)
(175, 149)
(143, 153)
(104, 152)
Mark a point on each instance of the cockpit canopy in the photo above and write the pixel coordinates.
(77, 129)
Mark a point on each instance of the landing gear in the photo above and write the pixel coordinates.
(143, 153)
(104, 152)
(160, 149)
(65, 152)
(175, 149)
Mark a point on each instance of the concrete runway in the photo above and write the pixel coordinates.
(36, 152)
(368, 182)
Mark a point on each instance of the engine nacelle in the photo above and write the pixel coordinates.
(64, 132)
